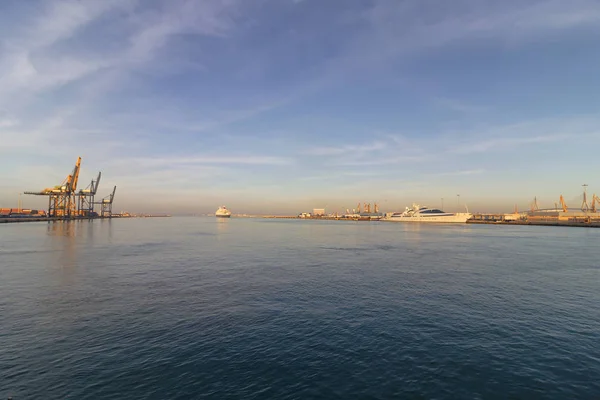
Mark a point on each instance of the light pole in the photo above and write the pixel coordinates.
(458, 201)
(442, 204)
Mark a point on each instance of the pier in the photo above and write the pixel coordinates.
(575, 223)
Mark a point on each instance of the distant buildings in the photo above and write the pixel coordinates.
(13, 212)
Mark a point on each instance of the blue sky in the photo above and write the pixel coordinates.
(285, 105)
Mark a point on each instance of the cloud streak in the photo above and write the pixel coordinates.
(207, 160)
(346, 149)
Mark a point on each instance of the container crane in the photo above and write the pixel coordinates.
(61, 198)
(595, 199)
(85, 207)
(106, 204)
(563, 204)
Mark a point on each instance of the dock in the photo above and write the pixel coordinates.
(321, 218)
(581, 220)
(8, 220)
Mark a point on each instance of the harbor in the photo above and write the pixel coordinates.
(479, 219)
(562, 215)
(67, 202)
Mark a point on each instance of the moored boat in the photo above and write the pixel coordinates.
(418, 213)
(223, 212)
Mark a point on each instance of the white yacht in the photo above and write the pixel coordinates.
(418, 213)
(223, 212)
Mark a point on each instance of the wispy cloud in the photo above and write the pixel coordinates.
(382, 161)
(466, 20)
(395, 31)
(504, 143)
(8, 122)
(179, 18)
(458, 173)
(346, 149)
(30, 65)
(450, 146)
(208, 160)
(458, 105)
(518, 135)
(33, 63)
(61, 19)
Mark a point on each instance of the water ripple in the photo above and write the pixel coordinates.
(292, 309)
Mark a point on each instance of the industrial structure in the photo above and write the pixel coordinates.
(85, 205)
(563, 213)
(106, 204)
(64, 201)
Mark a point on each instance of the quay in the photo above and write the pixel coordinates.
(483, 219)
(321, 218)
(8, 220)
(582, 224)
(26, 219)
(539, 219)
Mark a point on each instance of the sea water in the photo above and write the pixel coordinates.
(183, 308)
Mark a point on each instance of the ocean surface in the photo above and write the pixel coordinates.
(186, 308)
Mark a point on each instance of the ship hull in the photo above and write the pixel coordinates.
(223, 216)
(459, 218)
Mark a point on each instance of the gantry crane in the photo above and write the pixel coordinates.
(106, 204)
(563, 204)
(85, 206)
(61, 198)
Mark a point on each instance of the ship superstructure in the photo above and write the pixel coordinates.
(418, 213)
(223, 212)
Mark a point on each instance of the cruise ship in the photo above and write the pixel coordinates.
(223, 212)
(418, 213)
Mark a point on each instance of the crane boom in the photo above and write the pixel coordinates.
(95, 188)
(75, 175)
(563, 204)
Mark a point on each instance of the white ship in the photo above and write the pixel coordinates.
(418, 213)
(223, 212)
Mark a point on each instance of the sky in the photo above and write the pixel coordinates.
(282, 106)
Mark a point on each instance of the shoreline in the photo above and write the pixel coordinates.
(556, 223)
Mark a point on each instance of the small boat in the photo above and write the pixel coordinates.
(223, 212)
(418, 213)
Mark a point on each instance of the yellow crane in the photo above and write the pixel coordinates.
(61, 198)
(563, 204)
(75, 175)
(595, 199)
